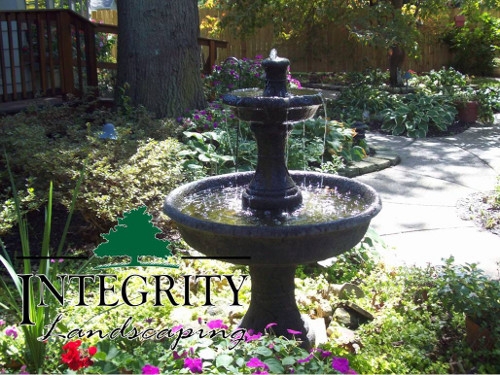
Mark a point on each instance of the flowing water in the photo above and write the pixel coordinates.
(320, 204)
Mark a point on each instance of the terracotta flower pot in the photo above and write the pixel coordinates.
(459, 20)
(468, 112)
(477, 337)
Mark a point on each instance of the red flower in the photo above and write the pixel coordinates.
(76, 357)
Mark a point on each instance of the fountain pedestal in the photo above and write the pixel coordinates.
(273, 301)
(272, 188)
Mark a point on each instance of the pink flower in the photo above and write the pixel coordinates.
(2, 322)
(11, 331)
(150, 369)
(195, 365)
(216, 324)
(255, 362)
(340, 364)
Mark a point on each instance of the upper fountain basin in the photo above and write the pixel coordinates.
(273, 245)
(252, 105)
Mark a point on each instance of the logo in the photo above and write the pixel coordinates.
(132, 242)
(134, 237)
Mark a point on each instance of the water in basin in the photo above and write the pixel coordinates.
(319, 205)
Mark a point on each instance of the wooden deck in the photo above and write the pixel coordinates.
(52, 53)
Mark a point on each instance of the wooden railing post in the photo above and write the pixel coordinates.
(91, 57)
(66, 52)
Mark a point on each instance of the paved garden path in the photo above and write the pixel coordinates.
(419, 220)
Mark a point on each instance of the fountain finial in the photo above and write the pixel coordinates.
(276, 71)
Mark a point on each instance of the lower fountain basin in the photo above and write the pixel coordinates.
(273, 245)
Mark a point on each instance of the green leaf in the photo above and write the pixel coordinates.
(99, 356)
(207, 354)
(264, 351)
(224, 360)
(274, 365)
(288, 361)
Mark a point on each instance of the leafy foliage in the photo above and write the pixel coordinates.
(416, 113)
(476, 44)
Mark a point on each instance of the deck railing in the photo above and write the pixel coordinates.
(47, 53)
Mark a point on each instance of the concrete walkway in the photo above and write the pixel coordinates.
(419, 220)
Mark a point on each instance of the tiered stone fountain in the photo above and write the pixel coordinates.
(283, 218)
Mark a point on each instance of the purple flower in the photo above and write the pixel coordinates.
(249, 336)
(306, 359)
(176, 328)
(150, 369)
(271, 325)
(176, 355)
(293, 332)
(148, 320)
(325, 353)
(255, 362)
(216, 324)
(195, 365)
(11, 331)
(23, 371)
(340, 364)
(216, 124)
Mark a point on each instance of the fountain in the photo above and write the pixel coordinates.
(272, 219)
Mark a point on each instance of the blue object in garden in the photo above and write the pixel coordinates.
(108, 132)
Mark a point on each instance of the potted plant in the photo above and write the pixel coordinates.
(466, 289)
(459, 20)
(467, 104)
(496, 66)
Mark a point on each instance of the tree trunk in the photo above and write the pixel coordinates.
(396, 54)
(396, 58)
(159, 56)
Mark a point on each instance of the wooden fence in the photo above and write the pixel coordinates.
(340, 53)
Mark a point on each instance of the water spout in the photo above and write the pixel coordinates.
(273, 54)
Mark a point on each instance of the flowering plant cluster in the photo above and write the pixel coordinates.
(235, 74)
(207, 119)
(257, 353)
(105, 45)
(76, 357)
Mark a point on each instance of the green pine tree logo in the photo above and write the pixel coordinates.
(134, 236)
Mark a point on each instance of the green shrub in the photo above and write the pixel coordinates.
(53, 144)
(475, 45)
